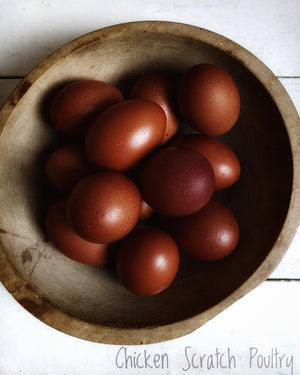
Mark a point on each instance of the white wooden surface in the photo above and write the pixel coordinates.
(261, 332)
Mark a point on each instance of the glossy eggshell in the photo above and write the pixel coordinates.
(104, 207)
(209, 99)
(69, 243)
(147, 261)
(124, 134)
(177, 181)
(146, 211)
(226, 166)
(160, 88)
(74, 106)
(68, 165)
(209, 234)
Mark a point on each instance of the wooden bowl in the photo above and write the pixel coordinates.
(89, 302)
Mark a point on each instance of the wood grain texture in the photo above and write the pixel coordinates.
(32, 30)
(265, 200)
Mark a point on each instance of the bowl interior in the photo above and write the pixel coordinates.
(260, 199)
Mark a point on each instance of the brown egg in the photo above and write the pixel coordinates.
(68, 165)
(146, 211)
(69, 243)
(147, 261)
(160, 88)
(74, 107)
(209, 234)
(226, 166)
(177, 181)
(209, 99)
(104, 207)
(124, 134)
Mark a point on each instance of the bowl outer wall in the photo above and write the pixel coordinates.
(52, 316)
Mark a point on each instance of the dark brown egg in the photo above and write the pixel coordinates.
(160, 88)
(104, 207)
(209, 99)
(124, 134)
(147, 261)
(69, 243)
(226, 166)
(146, 211)
(78, 103)
(177, 181)
(209, 234)
(68, 165)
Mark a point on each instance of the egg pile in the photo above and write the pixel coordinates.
(125, 165)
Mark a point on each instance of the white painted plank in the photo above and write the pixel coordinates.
(268, 317)
(289, 267)
(251, 337)
(31, 29)
(292, 86)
